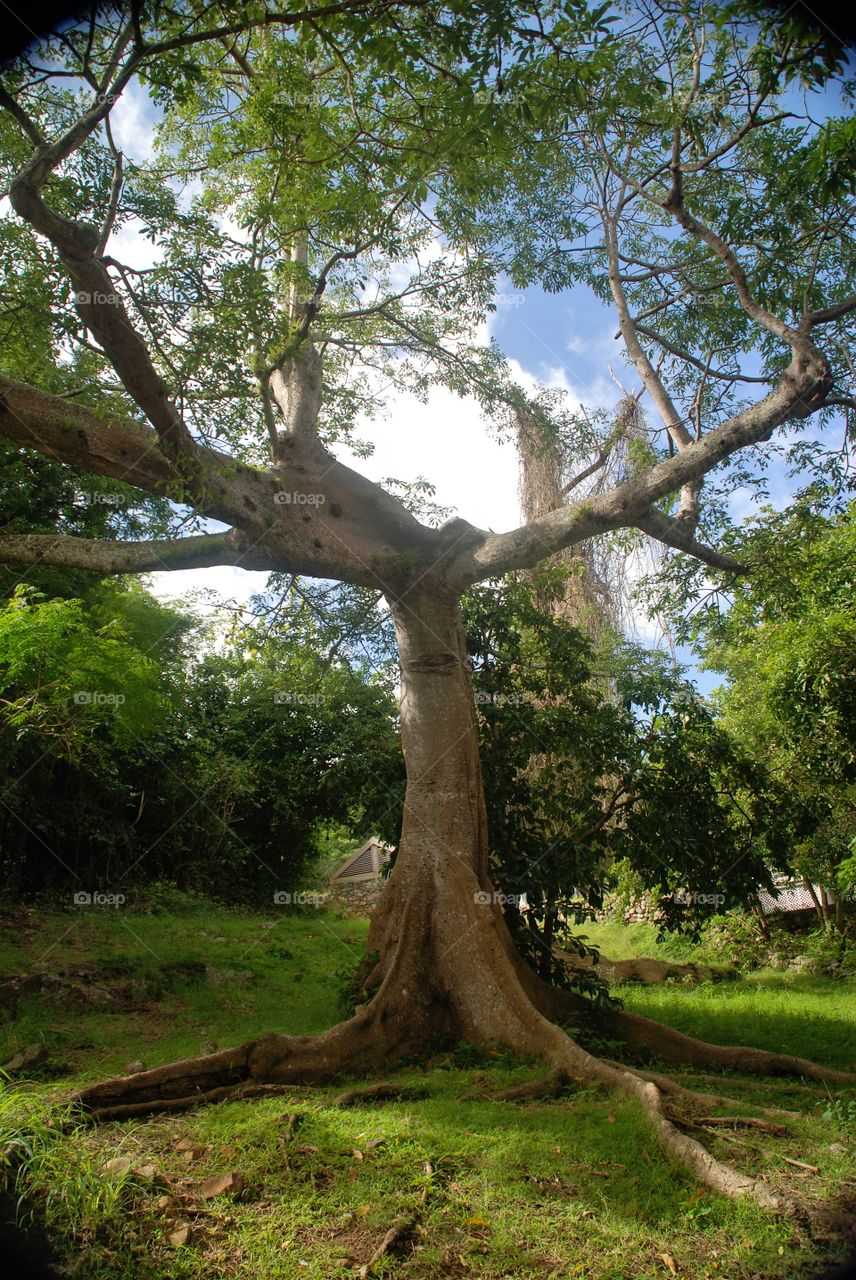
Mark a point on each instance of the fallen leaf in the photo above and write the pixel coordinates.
(221, 1182)
(358, 1155)
(375, 1143)
(180, 1236)
(119, 1164)
(147, 1171)
(669, 1261)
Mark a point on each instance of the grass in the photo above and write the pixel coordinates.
(572, 1188)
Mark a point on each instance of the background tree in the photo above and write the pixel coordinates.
(786, 641)
(590, 756)
(337, 140)
(133, 752)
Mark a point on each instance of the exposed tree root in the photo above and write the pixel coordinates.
(746, 1122)
(674, 1090)
(670, 1045)
(790, 1086)
(563, 1053)
(478, 990)
(158, 1106)
(550, 1088)
(273, 1063)
(376, 1093)
(644, 969)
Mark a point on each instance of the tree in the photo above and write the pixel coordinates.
(330, 144)
(787, 645)
(637, 768)
(134, 753)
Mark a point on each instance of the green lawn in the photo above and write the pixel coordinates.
(574, 1187)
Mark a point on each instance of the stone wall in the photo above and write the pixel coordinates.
(642, 910)
(357, 898)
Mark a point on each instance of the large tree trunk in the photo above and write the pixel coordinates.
(446, 967)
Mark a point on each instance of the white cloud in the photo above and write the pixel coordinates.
(447, 442)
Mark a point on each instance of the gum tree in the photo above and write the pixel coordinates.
(339, 237)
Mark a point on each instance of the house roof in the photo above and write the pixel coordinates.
(365, 863)
(791, 895)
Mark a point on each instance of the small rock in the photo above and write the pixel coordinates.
(147, 1171)
(119, 1164)
(134, 1068)
(837, 1149)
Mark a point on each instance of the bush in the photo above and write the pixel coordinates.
(737, 938)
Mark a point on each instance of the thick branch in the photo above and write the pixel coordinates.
(104, 556)
(70, 433)
(313, 515)
(663, 402)
(801, 392)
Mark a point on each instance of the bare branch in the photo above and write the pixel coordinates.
(835, 312)
(674, 203)
(600, 461)
(691, 359)
(678, 534)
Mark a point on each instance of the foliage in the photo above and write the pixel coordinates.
(126, 759)
(592, 759)
(786, 642)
